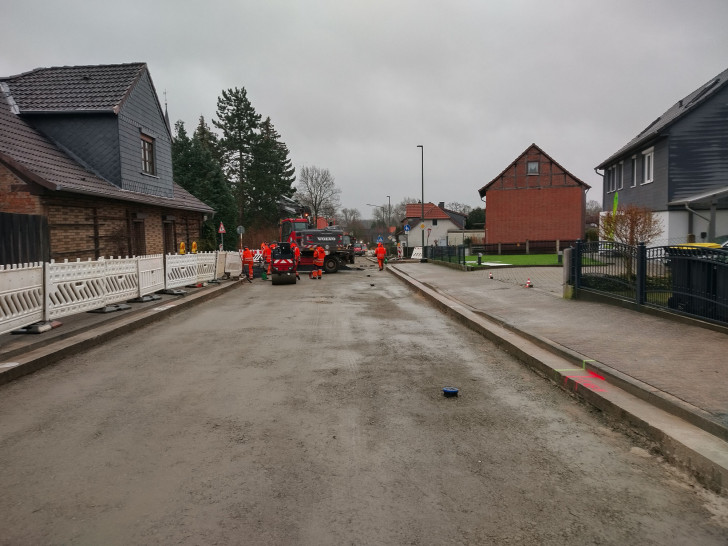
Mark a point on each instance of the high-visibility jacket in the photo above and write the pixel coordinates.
(296, 252)
(247, 256)
(381, 252)
(319, 255)
(266, 253)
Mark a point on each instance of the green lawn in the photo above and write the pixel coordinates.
(523, 260)
(516, 259)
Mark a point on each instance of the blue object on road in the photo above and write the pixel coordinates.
(450, 391)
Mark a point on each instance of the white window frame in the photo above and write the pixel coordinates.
(634, 172)
(648, 165)
(530, 172)
(620, 175)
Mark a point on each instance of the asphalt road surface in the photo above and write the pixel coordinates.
(313, 414)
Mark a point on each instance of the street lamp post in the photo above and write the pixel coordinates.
(422, 219)
(389, 213)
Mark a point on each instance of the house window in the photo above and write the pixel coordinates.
(434, 221)
(634, 172)
(148, 166)
(648, 160)
(532, 167)
(610, 180)
(620, 175)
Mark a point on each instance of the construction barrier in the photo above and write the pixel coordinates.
(151, 274)
(21, 295)
(233, 264)
(31, 293)
(206, 262)
(180, 270)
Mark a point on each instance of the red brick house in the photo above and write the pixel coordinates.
(534, 199)
(87, 150)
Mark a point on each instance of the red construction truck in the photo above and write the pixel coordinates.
(331, 238)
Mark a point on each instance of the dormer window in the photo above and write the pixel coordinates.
(148, 166)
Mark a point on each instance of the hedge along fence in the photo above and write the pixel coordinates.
(35, 292)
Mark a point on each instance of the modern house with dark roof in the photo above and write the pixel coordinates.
(534, 199)
(437, 222)
(88, 149)
(678, 167)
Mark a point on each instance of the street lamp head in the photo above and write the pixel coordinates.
(420, 146)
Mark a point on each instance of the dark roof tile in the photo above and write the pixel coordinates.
(675, 112)
(96, 88)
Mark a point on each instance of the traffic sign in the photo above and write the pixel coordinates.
(406, 228)
(379, 239)
(221, 229)
(240, 230)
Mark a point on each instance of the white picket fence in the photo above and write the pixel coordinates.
(36, 292)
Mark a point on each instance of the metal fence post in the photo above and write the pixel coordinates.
(577, 265)
(641, 281)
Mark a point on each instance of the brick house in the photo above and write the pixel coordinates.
(87, 150)
(534, 199)
(438, 221)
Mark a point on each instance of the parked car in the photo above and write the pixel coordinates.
(359, 249)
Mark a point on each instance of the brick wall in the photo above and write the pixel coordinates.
(86, 227)
(538, 207)
(16, 196)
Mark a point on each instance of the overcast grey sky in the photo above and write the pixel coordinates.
(355, 86)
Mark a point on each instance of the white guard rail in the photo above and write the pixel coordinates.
(21, 296)
(151, 274)
(31, 293)
(206, 262)
(122, 280)
(180, 270)
(74, 287)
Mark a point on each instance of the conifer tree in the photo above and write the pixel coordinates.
(239, 123)
(198, 172)
(271, 174)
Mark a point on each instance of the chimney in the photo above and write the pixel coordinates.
(441, 204)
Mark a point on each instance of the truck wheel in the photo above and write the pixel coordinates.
(331, 264)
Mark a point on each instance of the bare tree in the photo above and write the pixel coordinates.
(630, 225)
(460, 208)
(349, 216)
(316, 190)
(399, 211)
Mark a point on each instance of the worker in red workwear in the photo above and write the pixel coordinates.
(381, 253)
(319, 255)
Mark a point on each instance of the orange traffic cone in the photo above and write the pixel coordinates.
(528, 283)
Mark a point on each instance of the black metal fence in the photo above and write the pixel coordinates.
(683, 279)
(525, 247)
(451, 254)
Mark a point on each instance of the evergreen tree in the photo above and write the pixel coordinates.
(208, 139)
(270, 175)
(239, 123)
(198, 172)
